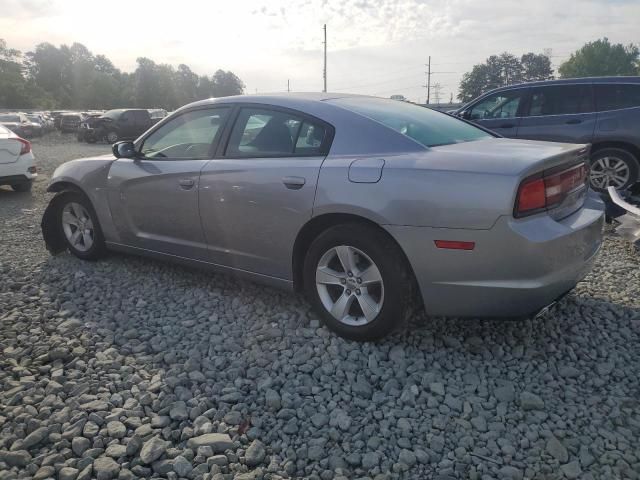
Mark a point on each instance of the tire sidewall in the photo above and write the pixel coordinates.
(98, 248)
(112, 132)
(385, 255)
(623, 155)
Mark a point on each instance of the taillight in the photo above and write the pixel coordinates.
(548, 190)
(26, 145)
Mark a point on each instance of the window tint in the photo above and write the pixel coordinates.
(425, 126)
(188, 136)
(498, 105)
(270, 132)
(613, 97)
(560, 100)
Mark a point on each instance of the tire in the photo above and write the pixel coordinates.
(22, 187)
(366, 248)
(75, 207)
(112, 136)
(613, 166)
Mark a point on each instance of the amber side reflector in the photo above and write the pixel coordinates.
(455, 245)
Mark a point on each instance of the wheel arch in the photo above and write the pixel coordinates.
(629, 147)
(320, 223)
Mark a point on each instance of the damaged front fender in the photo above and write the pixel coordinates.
(51, 228)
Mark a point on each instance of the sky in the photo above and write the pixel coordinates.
(377, 47)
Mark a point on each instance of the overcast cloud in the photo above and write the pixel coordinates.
(375, 46)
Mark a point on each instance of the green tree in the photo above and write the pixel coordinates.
(504, 69)
(226, 83)
(601, 58)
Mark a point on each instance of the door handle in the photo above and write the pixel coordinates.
(573, 121)
(186, 183)
(293, 183)
(507, 125)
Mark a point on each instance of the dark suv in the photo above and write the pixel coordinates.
(603, 111)
(116, 125)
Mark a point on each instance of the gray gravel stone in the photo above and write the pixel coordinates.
(152, 450)
(530, 401)
(219, 442)
(255, 453)
(105, 468)
(557, 450)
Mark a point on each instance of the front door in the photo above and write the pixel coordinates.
(154, 198)
(256, 198)
(499, 112)
(560, 113)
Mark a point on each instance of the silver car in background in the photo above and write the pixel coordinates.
(363, 204)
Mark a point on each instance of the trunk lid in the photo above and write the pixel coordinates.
(506, 156)
(9, 148)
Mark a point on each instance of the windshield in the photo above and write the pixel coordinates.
(113, 114)
(10, 118)
(424, 125)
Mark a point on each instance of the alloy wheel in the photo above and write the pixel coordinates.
(350, 285)
(78, 226)
(609, 172)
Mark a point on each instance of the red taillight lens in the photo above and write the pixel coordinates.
(26, 145)
(546, 191)
(455, 244)
(531, 196)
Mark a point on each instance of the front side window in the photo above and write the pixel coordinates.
(425, 126)
(560, 100)
(498, 105)
(263, 132)
(189, 136)
(617, 96)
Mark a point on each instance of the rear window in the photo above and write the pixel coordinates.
(616, 96)
(425, 126)
(560, 100)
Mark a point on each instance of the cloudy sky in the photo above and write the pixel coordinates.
(374, 46)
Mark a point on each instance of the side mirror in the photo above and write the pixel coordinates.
(124, 150)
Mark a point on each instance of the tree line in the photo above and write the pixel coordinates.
(72, 77)
(597, 58)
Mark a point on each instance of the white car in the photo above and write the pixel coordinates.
(17, 164)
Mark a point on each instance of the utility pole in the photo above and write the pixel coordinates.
(428, 85)
(288, 89)
(324, 70)
(436, 91)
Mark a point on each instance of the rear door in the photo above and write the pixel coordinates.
(500, 111)
(154, 198)
(559, 113)
(255, 198)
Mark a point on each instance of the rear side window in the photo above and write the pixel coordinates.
(560, 100)
(425, 126)
(263, 132)
(616, 96)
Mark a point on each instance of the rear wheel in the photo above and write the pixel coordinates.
(613, 167)
(355, 277)
(80, 228)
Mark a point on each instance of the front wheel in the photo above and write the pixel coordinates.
(613, 167)
(112, 136)
(79, 227)
(355, 277)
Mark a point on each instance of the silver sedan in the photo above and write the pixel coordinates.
(366, 205)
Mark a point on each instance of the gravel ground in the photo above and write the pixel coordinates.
(129, 368)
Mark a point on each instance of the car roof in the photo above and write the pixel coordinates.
(285, 99)
(562, 81)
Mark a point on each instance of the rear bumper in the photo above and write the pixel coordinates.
(18, 171)
(517, 267)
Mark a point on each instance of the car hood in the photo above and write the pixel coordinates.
(504, 156)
